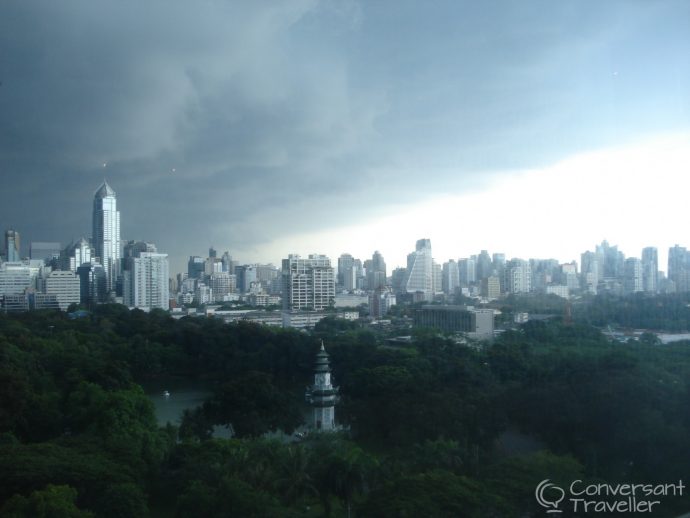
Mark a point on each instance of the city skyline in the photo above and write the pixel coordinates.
(268, 129)
(179, 265)
(336, 257)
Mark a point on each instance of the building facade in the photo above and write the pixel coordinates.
(93, 284)
(477, 323)
(308, 283)
(518, 276)
(106, 233)
(146, 281)
(75, 254)
(679, 268)
(380, 301)
(420, 270)
(12, 246)
(66, 286)
(650, 270)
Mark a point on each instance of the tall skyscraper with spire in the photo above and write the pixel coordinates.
(106, 232)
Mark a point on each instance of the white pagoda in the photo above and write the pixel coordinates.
(322, 395)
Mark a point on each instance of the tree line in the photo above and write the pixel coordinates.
(432, 428)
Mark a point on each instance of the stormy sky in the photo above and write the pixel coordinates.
(266, 128)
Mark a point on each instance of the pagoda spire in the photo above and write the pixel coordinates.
(322, 394)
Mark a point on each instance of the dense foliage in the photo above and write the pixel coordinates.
(668, 312)
(435, 428)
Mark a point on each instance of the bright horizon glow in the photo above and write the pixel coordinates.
(633, 196)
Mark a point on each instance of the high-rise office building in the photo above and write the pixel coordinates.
(346, 265)
(436, 276)
(213, 265)
(451, 277)
(266, 273)
(633, 275)
(398, 276)
(679, 268)
(145, 283)
(420, 270)
(611, 260)
(106, 233)
(380, 301)
(544, 272)
(491, 287)
(15, 278)
(93, 285)
(518, 276)
(75, 254)
(66, 286)
(484, 265)
(222, 283)
(196, 267)
(228, 264)
(376, 271)
(650, 270)
(245, 275)
(591, 270)
(12, 246)
(498, 263)
(134, 248)
(568, 276)
(308, 283)
(467, 268)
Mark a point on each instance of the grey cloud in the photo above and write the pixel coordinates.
(280, 117)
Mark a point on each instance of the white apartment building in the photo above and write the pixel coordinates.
(146, 281)
(308, 283)
(65, 285)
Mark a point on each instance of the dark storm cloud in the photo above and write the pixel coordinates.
(232, 122)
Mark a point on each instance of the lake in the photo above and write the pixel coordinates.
(187, 394)
(184, 394)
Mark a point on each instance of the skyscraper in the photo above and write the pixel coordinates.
(591, 269)
(633, 275)
(451, 277)
(484, 265)
(12, 246)
(345, 267)
(75, 254)
(650, 269)
(679, 268)
(612, 260)
(419, 276)
(518, 276)
(93, 285)
(106, 233)
(436, 277)
(134, 248)
(196, 267)
(308, 283)
(376, 271)
(467, 268)
(146, 281)
(66, 286)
